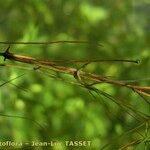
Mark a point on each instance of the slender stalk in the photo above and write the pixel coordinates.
(48, 42)
(132, 143)
(9, 81)
(78, 74)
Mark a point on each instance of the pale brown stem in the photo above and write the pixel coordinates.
(73, 71)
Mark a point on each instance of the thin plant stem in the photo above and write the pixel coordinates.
(78, 74)
(48, 42)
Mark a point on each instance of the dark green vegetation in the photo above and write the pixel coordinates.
(38, 106)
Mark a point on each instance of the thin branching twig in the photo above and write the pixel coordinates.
(78, 74)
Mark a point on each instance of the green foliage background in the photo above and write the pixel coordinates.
(68, 112)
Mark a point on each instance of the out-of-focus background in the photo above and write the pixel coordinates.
(57, 111)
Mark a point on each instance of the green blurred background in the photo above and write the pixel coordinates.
(65, 111)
